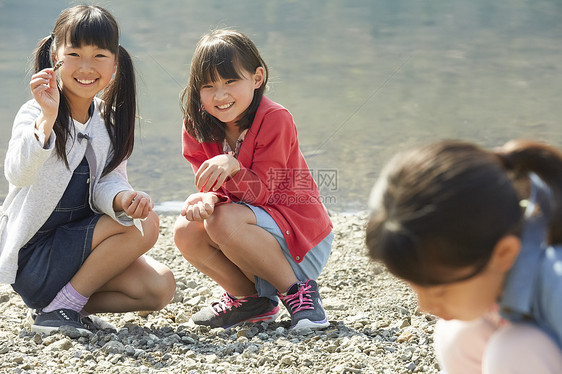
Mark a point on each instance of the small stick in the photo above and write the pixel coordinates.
(58, 65)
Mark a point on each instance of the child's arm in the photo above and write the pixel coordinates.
(32, 131)
(197, 154)
(44, 88)
(551, 292)
(269, 170)
(213, 172)
(26, 155)
(113, 192)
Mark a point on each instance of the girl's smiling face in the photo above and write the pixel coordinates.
(228, 99)
(87, 70)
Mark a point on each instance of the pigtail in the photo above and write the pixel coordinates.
(524, 156)
(44, 60)
(43, 57)
(120, 110)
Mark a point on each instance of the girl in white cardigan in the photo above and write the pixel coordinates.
(73, 231)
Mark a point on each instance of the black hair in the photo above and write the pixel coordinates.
(93, 25)
(443, 207)
(220, 54)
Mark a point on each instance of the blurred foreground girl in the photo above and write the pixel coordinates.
(478, 236)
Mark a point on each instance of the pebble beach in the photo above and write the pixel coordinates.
(374, 326)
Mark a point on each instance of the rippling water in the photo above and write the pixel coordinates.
(363, 79)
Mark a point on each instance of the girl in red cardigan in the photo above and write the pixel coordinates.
(258, 226)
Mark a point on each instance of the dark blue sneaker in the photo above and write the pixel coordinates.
(305, 306)
(52, 321)
(230, 311)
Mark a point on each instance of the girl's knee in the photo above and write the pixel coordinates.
(151, 229)
(522, 348)
(165, 289)
(181, 230)
(160, 286)
(225, 220)
(187, 234)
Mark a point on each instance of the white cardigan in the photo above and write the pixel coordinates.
(38, 178)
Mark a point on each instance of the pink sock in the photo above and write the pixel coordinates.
(67, 298)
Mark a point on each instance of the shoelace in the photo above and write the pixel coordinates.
(226, 303)
(300, 300)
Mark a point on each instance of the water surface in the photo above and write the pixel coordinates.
(363, 79)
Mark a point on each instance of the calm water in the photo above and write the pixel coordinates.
(363, 78)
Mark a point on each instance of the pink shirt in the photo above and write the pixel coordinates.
(273, 175)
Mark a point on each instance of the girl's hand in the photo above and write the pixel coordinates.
(213, 172)
(199, 206)
(44, 88)
(136, 204)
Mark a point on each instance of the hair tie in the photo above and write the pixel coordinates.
(52, 36)
(504, 159)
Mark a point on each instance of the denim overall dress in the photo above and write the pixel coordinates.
(57, 251)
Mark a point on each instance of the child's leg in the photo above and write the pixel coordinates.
(195, 244)
(459, 346)
(231, 249)
(254, 250)
(260, 249)
(198, 249)
(145, 285)
(116, 277)
(521, 349)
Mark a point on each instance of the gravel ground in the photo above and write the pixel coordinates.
(374, 327)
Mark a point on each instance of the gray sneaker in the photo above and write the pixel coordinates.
(92, 322)
(230, 311)
(52, 321)
(305, 306)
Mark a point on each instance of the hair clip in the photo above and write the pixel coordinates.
(58, 65)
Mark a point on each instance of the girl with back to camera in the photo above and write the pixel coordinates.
(250, 228)
(68, 244)
(478, 236)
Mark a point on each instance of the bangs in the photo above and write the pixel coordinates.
(93, 28)
(424, 273)
(429, 265)
(423, 261)
(218, 61)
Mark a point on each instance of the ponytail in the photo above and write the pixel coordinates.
(120, 110)
(525, 156)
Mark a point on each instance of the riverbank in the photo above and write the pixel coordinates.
(374, 327)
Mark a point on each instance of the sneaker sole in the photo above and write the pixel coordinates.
(263, 318)
(48, 330)
(306, 323)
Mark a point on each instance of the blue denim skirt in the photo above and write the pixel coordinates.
(309, 268)
(57, 251)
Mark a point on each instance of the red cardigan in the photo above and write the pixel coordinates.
(273, 175)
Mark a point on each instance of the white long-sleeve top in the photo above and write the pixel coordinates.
(38, 178)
